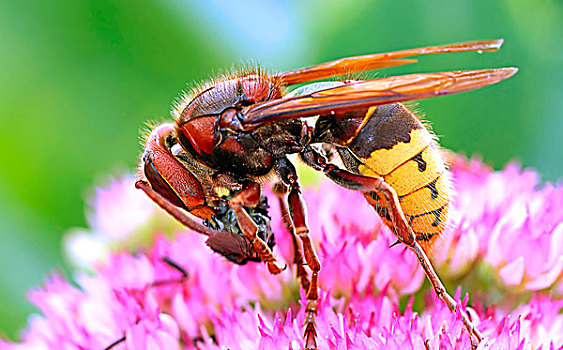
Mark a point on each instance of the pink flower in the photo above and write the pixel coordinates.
(505, 234)
(507, 222)
(96, 316)
(348, 242)
(119, 209)
(121, 218)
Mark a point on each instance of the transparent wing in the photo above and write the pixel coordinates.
(380, 60)
(368, 93)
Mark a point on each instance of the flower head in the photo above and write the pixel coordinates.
(505, 237)
(507, 223)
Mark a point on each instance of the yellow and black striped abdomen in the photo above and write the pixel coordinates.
(393, 144)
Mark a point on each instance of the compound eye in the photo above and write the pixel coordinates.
(159, 184)
(166, 174)
(199, 134)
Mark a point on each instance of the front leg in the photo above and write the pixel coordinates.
(249, 196)
(237, 248)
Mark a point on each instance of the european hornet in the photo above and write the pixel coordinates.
(232, 132)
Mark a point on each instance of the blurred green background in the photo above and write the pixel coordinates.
(79, 78)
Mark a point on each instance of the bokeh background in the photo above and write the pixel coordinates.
(79, 78)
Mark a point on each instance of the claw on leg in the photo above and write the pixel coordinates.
(310, 335)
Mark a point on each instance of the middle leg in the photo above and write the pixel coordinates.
(280, 190)
(288, 175)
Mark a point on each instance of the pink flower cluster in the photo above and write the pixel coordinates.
(509, 225)
(505, 237)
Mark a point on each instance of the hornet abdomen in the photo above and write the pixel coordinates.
(390, 142)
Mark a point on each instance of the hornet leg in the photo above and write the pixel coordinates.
(288, 175)
(228, 243)
(404, 232)
(249, 196)
(280, 190)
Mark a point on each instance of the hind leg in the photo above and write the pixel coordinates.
(403, 230)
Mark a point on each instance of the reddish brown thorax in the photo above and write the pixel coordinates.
(197, 124)
(210, 125)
